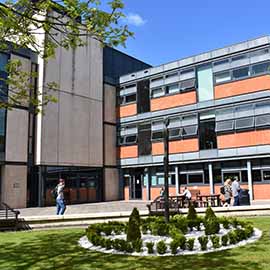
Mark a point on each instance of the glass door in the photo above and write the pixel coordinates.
(136, 187)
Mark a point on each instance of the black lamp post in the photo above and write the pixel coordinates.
(166, 170)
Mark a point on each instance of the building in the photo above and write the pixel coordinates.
(75, 138)
(218, 104)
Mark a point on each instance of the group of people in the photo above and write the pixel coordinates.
(231, 189)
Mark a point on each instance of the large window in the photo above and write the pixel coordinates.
(223, 77)
(240, 73)
(208, 137)
(260, 68)
(205, 83)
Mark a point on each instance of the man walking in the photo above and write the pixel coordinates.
(60, 203)
(235, 192)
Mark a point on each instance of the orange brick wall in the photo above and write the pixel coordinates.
(128, 151)
(126, 193)
(242, 87)
(173, 101)
(182, 146)
(127, 110)
(261, 191)
(249, 138)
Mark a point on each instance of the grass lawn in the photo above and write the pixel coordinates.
(59, 250)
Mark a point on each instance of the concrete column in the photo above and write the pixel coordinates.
(211, 180)
(176, 180)
(250, 186)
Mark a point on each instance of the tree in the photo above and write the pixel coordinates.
(23, 21)
(133, 230)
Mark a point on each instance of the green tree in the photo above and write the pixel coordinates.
(22, 22)
(133, 231)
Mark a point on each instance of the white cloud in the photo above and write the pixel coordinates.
(134, 19)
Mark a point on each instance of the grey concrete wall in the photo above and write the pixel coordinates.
(110, 145)
(71, 129)
(111, 184)
(14, 185)
(17, 135)
(109, 103)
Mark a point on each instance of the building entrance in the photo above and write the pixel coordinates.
(136, 187)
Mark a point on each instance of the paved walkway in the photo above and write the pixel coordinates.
(89, 208)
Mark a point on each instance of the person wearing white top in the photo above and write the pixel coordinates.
(186, 193)
(60, 203)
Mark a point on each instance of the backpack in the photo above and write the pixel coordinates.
(222, 190)
(54, 192)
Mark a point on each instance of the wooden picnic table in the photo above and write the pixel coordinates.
(204, 200)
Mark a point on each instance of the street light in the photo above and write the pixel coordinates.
(166, 169)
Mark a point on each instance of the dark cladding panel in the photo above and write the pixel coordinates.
(144, 140)
(143, 96)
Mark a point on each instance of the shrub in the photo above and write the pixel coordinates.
(190, 244)
(129, 247)
(232, 238)
(107, 229)
(182, 241)
(123, 245)
(173, 246)
(225, 222)
(137, 245)
(224, 240)
(160, 228)
(240, 234)
(234, 222)
(203, 240)
(108, 243)
(215, 241)
(180, 223)
(145, 228)
(116, 243)
(103, 242)
(150, 247)
(161, 247)
(133, 231)
(248, 231)
(199, 221)
(211, 223)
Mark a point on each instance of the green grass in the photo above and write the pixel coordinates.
(59, 250)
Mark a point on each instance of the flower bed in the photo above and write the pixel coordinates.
(183, 235)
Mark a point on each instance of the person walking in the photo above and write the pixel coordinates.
(227, 192)
(60, 202)
(236, 191)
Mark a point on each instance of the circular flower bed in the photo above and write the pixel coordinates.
(183, 235)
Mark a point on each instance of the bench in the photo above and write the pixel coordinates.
(8, 218)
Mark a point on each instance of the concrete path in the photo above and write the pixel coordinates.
(89, 208)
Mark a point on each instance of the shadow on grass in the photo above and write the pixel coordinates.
(59, 250)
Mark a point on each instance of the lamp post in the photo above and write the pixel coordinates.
(166, 170)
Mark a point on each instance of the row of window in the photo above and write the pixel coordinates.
(241, 73)
(246, 123)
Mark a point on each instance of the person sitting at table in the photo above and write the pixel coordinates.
(186, 193)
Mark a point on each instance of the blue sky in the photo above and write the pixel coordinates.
(169, 30)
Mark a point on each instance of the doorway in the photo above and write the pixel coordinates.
(136, 187)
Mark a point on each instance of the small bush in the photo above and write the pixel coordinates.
(225, 222)
(180, 223)
(103, 242)
(107, 229)
(192, 217)
(209, 213)
(129, 247)
(211, 222)
(215, 241)
(240, 235)
(182, 241)
(232, 238)
(133, 231)
(108, 244)
(234, 222)
(150, 247)
(249, 230)
(161, 247)
(224, 240)
(174, 246)
(190, 244)
(145, 228)
(160, 228)
(199, 221)
(123, 245)
(116, 244)
(137, 245)
(203, 240)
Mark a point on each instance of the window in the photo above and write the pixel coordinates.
(208, 137)
(158, 92)
(173, 88)
(130, 86)
(156, 79)
(190, 70)
(227, 125)
(157, 135)
(244, 123)
(131, 139)
(171, 75)
(261, 68)
(195, 178)
(262, 120)
(241, 73)
(190, 131)
(144, 140)
(244, 176)
(143, 96)
(259, 52)
(121, 140)
(175, 133)
(239, 57)
(183, 179)
(205, 83)
(187, 84)
(221, 62)
(222, 77)
(266, 175)
(130, 98)
(256, 176)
